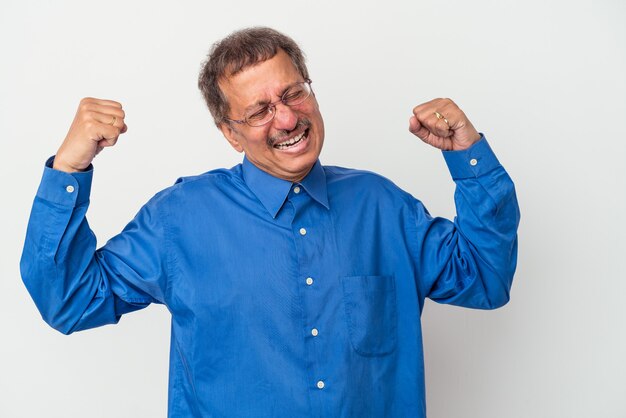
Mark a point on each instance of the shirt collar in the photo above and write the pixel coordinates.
(315, 184)
(272, 191)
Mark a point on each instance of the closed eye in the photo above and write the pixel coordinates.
(293, 95)
(258, 113)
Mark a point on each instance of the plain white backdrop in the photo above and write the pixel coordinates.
(544, 80)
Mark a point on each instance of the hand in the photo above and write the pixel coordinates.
(97, 125)
(443, 125)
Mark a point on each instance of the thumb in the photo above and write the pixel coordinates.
(414, 125)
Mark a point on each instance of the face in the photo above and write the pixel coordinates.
(271, 147)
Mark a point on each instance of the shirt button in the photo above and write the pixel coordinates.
(296, 190)
(473, 161)
(314, 332)
(302, 231)
(69, 189)
(320, 384)
(309, 281)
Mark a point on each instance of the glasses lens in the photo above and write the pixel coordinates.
(297, 94)
(259, 116)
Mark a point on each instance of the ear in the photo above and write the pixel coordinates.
(231, 136)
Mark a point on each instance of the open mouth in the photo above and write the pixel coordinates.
(292, 141)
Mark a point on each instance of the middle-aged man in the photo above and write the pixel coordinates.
(295, 288)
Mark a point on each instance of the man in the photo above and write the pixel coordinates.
(295, 289)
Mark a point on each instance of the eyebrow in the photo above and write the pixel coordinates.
(266, 102)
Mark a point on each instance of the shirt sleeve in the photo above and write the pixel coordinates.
(74, 285)
(471, 262)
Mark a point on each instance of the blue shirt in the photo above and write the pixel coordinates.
(287, 300)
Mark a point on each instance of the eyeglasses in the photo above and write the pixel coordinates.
(263, 114)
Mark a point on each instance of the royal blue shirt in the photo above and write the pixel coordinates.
(287, 300)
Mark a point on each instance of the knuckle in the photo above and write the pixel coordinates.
(84, 106)
(86, 102)
(86, 116)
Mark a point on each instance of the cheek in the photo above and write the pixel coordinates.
(315, 114)
(258, 139)
(318, 122)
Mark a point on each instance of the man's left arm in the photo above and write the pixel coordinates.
(471, 261)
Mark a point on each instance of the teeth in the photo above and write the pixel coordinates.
(290, 142)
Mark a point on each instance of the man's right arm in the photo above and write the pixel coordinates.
(74, 286)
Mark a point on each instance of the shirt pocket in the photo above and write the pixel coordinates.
(370, 304)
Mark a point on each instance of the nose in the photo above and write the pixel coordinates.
(285, 117)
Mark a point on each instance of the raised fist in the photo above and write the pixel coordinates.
(443, 125)
(97, 125)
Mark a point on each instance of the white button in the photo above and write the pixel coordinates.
(69, 189)
(320, 384)
(473, 161)
(302, 231)
(314, 332)
(296, 190)
(309, 281)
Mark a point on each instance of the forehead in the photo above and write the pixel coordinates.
(261, 82)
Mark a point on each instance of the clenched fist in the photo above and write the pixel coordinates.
(97, 124)
(443, 125)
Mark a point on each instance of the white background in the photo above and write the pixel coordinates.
(544, 80)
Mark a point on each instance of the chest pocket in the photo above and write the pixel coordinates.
(370, 304)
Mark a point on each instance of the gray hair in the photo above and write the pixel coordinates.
(235, 53)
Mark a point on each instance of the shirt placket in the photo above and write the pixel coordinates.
(308, 229)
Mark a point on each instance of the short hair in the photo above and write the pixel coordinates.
(236, 52)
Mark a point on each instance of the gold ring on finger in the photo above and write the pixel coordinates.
(113, 121)
(440, 117)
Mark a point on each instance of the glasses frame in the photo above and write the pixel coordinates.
(272, 106)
